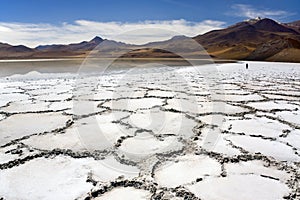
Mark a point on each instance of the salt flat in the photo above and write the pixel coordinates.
(207, 132)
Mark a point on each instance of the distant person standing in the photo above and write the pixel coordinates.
(247, 66)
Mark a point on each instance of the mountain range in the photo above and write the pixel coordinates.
(254, 39)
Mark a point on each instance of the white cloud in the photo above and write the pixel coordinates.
(135, 33)
(244, 10)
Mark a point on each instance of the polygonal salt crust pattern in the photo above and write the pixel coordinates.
(154, 134)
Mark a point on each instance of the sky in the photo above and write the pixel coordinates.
(34, 22)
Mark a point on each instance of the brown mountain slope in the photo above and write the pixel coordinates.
(236, 52)
(270, 25)
(286, 55)
(149, 53)
(269, 49)
(242, 39)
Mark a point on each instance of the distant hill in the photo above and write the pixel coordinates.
(7, 51)
(254, 39)
(82, 46)
(294, 25)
